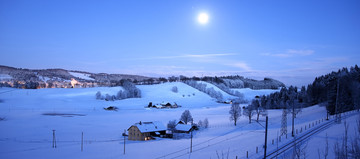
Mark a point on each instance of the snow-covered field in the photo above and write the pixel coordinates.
(27, 133)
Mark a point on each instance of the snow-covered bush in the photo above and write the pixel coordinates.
(203, 124)
(200, 124)
(130, 91)
(206, 123)
(174, 89)
(171, 125)
(98, 95)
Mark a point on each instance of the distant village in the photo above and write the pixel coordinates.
(163, 105)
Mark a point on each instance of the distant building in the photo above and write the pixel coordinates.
(146, 130)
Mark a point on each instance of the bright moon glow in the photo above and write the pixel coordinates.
(203, 18)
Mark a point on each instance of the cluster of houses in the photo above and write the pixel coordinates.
(163, 105)
(143, 131)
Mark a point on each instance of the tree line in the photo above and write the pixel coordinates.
(338, 91)
(130, 91)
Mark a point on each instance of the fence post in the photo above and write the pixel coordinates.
(82, 141)
(54, 140)
(256, 149)
(247, 154)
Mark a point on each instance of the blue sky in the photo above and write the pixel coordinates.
(293, 41)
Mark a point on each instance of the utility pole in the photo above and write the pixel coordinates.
(82, 141)
(191, 141)
(124, 140)
(327, 115)
(293, 118)
(338, 115)
(266, 128)
(54, 140)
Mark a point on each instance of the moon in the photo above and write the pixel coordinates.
(203, 18)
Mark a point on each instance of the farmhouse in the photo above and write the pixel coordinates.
(145, 130)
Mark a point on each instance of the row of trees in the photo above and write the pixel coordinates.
(213, 93)
(252, 109)
(203, 88)
(339, 91)
(130, 91)
(285, 98)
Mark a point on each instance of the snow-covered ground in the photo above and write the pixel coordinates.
(27, 133)
(84, 76)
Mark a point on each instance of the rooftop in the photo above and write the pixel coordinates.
(150, 126)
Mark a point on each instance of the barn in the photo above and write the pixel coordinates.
(184, 128)
(146, 130)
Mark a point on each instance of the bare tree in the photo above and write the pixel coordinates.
(341, 151)
(346, 126)
(200, 123)
(299, 150)
(206, 123)
(235, 112)
(98, 95)
(186, 117)
(326, 153)
(354, 150)
(259, 109)
(171, 125)
(249, 111)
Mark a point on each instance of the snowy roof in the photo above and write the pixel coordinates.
(183, 127)
(150, 126)
(159, 106)
(165, 103)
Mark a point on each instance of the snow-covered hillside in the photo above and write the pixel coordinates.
(84, 76)
(30, 116)
(250, 94)
(226, 96)
(5, 77)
